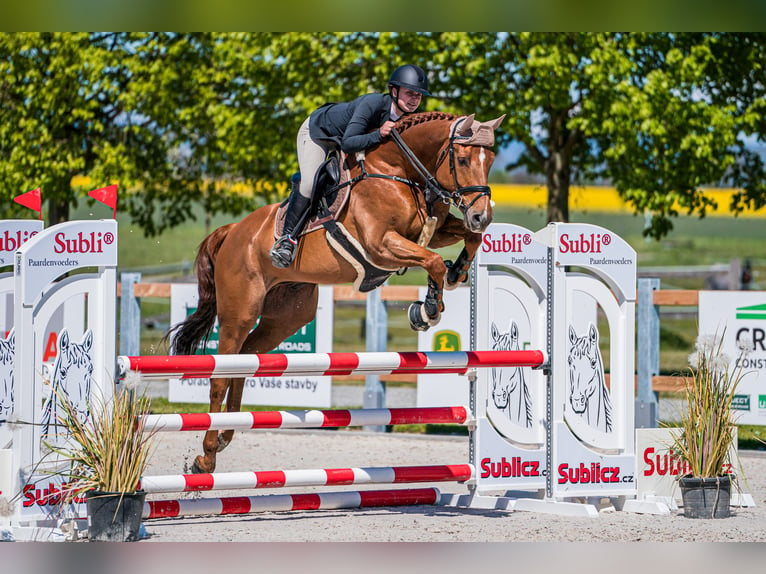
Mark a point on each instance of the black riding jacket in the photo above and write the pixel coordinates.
(352, 126)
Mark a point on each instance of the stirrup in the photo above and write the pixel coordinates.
(282, 252)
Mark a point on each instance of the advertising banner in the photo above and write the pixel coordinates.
(738, 317)
(288, 391)
(453, 333)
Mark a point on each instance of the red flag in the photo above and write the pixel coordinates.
(31, 199)
(107, 196)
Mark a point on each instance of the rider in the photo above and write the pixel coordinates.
(351, 126)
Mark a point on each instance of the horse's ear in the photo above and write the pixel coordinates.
(593, 334)
(63, 339)
(572, 335)
(494, 124)
(465, 129)
(87, 340)
(494, 331)
(514, 330)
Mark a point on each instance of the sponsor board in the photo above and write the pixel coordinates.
(287, 391)
(451, 334)
(740, 316)
(658, 467)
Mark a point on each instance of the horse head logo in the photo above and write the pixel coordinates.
(72, 381)
(7, 353)
(509, 386)
(588, 395)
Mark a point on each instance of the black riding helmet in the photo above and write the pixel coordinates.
(411, 77)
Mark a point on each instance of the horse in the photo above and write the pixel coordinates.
(433, 161)
(7, 354)
(588, 393)
(71, 382)
(510, 391)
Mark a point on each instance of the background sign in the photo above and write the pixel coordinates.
(737, 315)
(288, 391)
(453, 333)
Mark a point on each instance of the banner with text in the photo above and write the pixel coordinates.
(287, 391)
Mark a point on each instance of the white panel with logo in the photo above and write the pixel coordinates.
(592, 431)
(736, 316)
(452, 334)
(287, 391)
(509, 294)
(84, 368)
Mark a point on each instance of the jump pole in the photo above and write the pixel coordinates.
(315, 477)
(274, 365)
(289, 502)
(303, 419)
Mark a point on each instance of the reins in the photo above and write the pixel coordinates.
(433, 189)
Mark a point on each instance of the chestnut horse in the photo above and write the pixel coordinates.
(434, 161)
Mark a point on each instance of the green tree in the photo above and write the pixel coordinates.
(660, 115)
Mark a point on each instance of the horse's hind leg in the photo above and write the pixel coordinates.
(232, 334)
(287, 308)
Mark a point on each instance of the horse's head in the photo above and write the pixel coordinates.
(7, 353)
(465, 173)
(585, 368)
(73, 370)
(505, 380)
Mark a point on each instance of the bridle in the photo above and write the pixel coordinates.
(433, 189)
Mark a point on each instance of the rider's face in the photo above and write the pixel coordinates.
(408, 100)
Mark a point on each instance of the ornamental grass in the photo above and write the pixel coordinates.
(109, 451)
(707, 429)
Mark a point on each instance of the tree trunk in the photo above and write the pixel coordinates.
(557, 174)
(58, 211)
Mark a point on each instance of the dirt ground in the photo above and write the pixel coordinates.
(272, 450)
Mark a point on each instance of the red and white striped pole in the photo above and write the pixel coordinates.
(286, 502)
(303, 419)
(321, 364)
(316, 477)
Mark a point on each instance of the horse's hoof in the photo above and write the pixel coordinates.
(454, 277)
(198, 466)
(222, 443)
(417, 317)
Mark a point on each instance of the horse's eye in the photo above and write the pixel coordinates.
(463, 161)
(570, 360)
(593, 363)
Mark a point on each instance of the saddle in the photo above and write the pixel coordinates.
(329, 198)
(328, 186)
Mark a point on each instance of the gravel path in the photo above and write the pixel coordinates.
(270, 450)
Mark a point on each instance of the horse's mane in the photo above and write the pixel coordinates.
(416, 119)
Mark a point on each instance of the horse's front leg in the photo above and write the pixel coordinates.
(452, 232)
(397, 251)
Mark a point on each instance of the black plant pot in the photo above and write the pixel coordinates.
(706, 497)
(114, 516)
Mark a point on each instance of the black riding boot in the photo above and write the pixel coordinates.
(283, 251)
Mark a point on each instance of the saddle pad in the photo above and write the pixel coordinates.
(341, 198)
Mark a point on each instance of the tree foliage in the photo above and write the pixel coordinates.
(210, 119)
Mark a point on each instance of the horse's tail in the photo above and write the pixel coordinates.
(187, 336)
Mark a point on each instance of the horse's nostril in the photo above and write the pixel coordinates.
(478, 220)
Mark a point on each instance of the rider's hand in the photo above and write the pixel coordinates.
(386, 128)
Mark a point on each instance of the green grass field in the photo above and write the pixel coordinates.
(693, 242)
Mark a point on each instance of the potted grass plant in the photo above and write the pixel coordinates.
(707, 430)
(105, 457)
